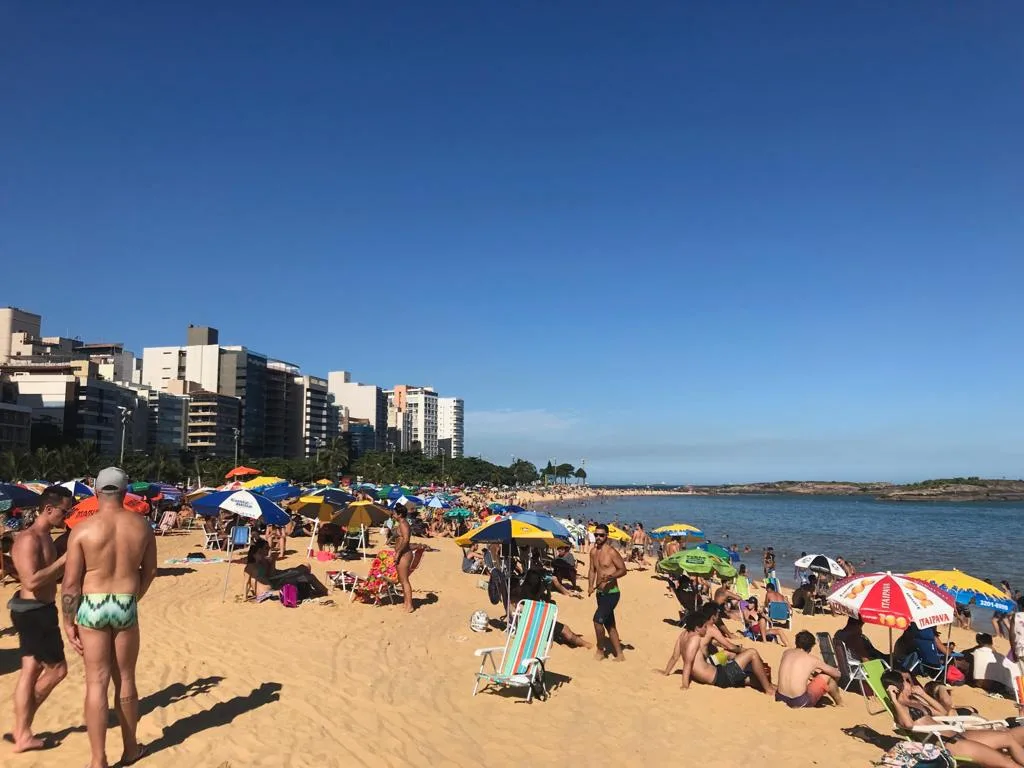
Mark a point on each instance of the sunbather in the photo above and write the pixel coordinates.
(260, 566)
(804, 679)
(912, 706)
(732, 674)
(534, 587)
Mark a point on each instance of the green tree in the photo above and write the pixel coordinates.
(581, 475)
(563, 472)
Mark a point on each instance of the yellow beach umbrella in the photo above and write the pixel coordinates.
(679, 529)
(258, 482)
(362, 513)
(314, 507)
(323, 481)
(966, 588)
(506, 530)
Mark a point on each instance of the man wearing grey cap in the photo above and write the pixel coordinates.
(111, 562)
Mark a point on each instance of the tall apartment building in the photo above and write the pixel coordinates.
(283, 418)
(319, 414)
(450, 436)
(167, 416)
(364, 402)
(414, 409)
(228, 370)
(212, 421)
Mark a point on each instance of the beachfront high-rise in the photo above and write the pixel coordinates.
(364, 402)
(16, 321)
(450, 427)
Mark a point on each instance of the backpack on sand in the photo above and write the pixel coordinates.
(290, 596)
(910, 754)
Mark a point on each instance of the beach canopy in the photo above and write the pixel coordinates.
(543, 521)
(78, 489)
(254, 506)
(361, 514)
(90, 505)
(506, 531)
(678, 530)
(892, 600)
(15, 496)
(965, 589)
(241, 472)
(696, 561)
(821, 564)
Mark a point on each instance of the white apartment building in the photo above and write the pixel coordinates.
(414, 409)
(450, 437)
(12, 321)
(363, 401)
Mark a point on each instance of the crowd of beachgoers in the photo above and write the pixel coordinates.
(96, 540)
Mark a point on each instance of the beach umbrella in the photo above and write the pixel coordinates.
(965, 589)
(198, 493)
(168, 491)
(682, 530)
(614, 532)
(232, 486)
(333, 495)
(324, 481)
(892, 600)
(15, 496)
(241, 472)
(141, 488)
(254, 506)
(279, 493)
(436, 503)
(514, 508)
(406, 501)
(78, 489)
(506, 531)
(696, 561)
(543, 521)
(90, 505)
(496, 507)
(362, 514)
(821, 564)
(458, 513)
(716, 550)
(314, 507)
(261, 483)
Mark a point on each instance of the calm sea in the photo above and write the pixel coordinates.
(985, 540)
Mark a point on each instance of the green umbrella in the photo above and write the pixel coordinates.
(459, 513)
(696, 561)
(714, 549)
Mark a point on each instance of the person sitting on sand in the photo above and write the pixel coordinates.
(723, 645)
(803, 678)
(988, 670)
(472, 559)
(758, 628)
(260, 566)
(732, 674)
(912, 706)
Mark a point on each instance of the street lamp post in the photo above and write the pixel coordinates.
(126, 414)
(238, 433)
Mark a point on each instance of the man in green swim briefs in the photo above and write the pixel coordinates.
(111, 562)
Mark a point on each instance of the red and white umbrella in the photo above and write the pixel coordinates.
(892, 600)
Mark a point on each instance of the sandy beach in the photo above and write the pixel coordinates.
(237, 684)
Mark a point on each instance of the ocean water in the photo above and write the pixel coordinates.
(983, 539)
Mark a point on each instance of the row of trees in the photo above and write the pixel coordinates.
(563, 473)
(408, 467)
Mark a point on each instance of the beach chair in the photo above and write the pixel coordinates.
(213, 537)
(488, 562)
(167, 522)
(780, 614)
(947, 725)
(382, 582)
(526, 649)
(912, 663)
(741, 586)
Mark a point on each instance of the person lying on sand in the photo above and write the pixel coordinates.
(803, 678)
(912, 707)
(732, 674)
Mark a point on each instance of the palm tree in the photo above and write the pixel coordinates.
(564, 471)
(15, 465)
(334, 456)
(549, 471)
(581, 475)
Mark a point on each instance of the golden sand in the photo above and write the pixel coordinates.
(231, 684)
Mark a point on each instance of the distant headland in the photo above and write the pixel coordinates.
(942, 489)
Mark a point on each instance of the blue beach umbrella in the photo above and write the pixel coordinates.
(436, 503)
(16, 496)
(333, 495)
(254, 506)
(170, 492)
(279, 493)
(542, 521)
(78, 489)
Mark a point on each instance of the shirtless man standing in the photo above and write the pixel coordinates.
(732, 674)
(606, 568)
(803, 678)
(111, 562)
(403, 553)
(34, 614)
(639, 539)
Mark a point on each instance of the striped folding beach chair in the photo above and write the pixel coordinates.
(526, 649)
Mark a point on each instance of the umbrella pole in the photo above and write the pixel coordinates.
(227, 571)
(892, 650)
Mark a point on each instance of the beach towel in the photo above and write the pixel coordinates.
(912, 754)
(195, 560)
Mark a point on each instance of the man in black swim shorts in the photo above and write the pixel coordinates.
(606, 568)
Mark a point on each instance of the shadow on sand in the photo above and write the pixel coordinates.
(219, 714)
(174, 571)
(869, 735)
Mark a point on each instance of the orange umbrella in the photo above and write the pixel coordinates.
(88, 507)
(242, 472)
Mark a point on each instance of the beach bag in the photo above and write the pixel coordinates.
(954, 676)
(497, 588)
(290, 596)
(910, 754)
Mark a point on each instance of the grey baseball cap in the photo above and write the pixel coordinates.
(111, 480)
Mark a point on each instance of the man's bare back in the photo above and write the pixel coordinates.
(113, 546)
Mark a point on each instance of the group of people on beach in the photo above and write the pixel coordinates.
(108, 566)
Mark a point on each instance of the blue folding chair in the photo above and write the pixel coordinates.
(780, 613)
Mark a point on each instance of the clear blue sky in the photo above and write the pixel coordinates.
(690, 242)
